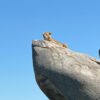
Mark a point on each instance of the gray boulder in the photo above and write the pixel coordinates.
(63, 74)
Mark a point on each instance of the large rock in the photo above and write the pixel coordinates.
(63, 74)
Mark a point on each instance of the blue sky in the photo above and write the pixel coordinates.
(74, 22)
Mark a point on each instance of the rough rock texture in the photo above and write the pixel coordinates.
(63, 74)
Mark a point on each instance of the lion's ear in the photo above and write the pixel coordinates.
(50, 33)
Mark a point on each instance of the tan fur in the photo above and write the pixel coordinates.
(47, 36)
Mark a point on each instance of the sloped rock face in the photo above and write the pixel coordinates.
(63, 74)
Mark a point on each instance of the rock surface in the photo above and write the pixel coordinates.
(63, 74)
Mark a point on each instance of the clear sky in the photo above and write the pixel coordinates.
(74, 22)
